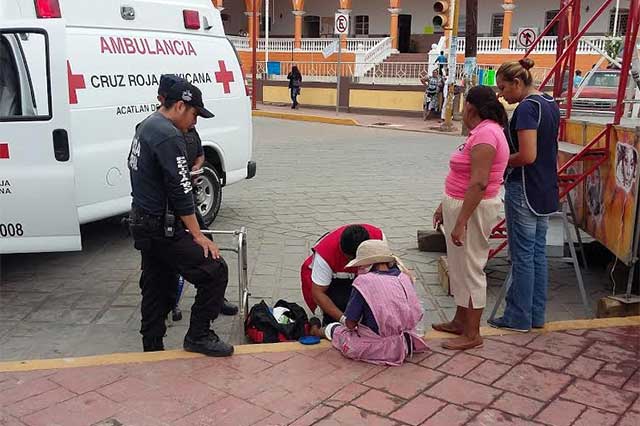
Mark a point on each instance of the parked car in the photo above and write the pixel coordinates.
(599, 92)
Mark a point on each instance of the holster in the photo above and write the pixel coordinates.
(144, 228)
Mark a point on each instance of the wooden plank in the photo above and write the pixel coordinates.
(431, 241)
(443, 273)
(610, 308)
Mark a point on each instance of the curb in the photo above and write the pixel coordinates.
(342, 122)
(304, 117)
(171, 355)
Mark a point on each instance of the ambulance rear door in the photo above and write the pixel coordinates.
(38, 211)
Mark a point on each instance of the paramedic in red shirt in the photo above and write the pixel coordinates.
(326, 281)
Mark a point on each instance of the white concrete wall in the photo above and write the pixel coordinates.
(528, 13)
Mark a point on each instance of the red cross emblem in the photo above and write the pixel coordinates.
(225, 77)
(76, 81)
(4, 150)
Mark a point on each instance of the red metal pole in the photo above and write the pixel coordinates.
(595, 16)
(544, 32)
(254, 55)
(575, 25)
(560, 48)
(630, 41)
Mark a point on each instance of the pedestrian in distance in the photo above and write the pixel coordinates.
(441, 61)
(165, 228)
(469, 211)
(295, 83)
(531, 194)
(431, 101)
(577, 79)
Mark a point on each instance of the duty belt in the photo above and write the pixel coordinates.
(139, 216)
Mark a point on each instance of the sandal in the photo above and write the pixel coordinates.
(446, 327)
(475, 344)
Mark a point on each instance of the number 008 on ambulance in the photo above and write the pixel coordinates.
(76, 77)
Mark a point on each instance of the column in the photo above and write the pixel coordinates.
(345, 7)
(298, 12)
(394, 10)
(508, 8)
(249, 13)
(218, 4)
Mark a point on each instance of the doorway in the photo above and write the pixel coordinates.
(404, 33)
(311, 27)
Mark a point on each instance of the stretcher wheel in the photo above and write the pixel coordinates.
(176, 314)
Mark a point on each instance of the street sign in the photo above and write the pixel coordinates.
(342, 24)
(526, 37)
(330, 49)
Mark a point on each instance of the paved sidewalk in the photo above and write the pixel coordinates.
(385, 121)
(587, 377)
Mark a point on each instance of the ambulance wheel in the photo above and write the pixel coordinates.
(208, 190)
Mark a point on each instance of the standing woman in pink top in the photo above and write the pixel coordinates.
(470, 209)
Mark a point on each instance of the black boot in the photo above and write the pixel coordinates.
(152, 344)
(228, 308)
(209, 345)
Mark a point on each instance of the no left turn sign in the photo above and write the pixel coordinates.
(526, 37)
(342, 24)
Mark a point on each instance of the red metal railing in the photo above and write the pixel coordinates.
(566, 53)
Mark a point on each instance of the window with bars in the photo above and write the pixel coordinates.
(623, 17)
(497, 22)
(548, 17)
(362, 25)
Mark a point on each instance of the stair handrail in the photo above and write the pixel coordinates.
(378, 53)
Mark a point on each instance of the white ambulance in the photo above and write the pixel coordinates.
(76, 76)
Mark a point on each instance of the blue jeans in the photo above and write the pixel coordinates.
(527, 236)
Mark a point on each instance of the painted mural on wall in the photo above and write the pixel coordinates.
(608, 199)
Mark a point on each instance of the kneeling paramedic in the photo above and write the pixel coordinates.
(326, 280)
(162, 212)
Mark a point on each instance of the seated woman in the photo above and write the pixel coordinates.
(382, 312)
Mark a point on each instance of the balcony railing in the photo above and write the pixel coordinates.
(399, 73)
(546, 45)
(307, 44)
(355, 45)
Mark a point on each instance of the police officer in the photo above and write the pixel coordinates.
(162, 213)
(195, 160)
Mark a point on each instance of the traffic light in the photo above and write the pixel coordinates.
(441, 8)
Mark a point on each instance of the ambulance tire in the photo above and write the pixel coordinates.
(211, 195)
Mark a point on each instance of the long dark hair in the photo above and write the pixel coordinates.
(485, 100)
(295, 72)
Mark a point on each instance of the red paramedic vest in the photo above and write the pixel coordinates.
(329, 249)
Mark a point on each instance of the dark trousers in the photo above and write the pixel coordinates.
(339, 292)
(295, 92)
(162, 261)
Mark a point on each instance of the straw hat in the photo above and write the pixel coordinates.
(371, 252)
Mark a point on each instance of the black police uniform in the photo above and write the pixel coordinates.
(161, 187)
(194, 150)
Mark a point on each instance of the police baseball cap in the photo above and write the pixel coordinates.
(166, 81)
(186, 92)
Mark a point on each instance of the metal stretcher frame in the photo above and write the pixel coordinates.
(243, 279)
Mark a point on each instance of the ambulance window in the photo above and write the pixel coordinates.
(24, 77)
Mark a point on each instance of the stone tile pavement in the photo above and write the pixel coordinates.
(311, 178)
(411, 122)
(587, 377)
